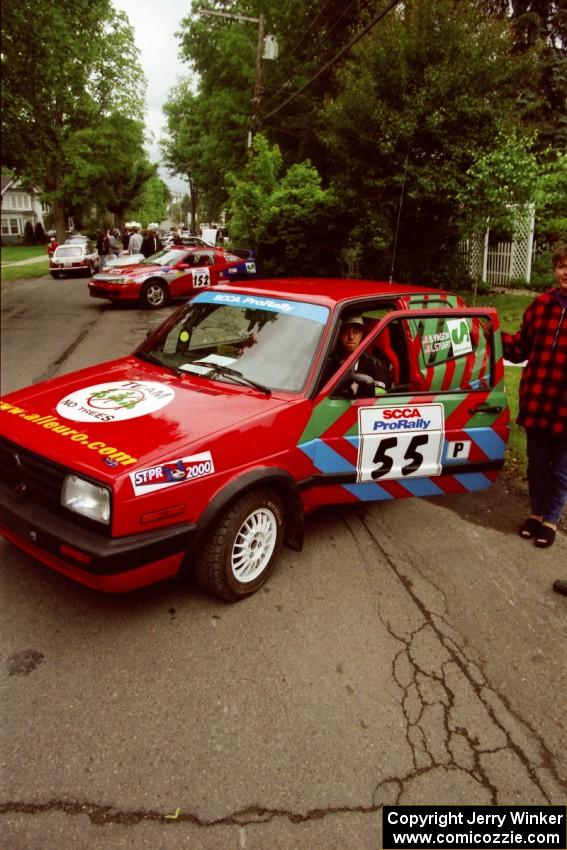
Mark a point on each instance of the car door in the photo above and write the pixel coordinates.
(442, 425)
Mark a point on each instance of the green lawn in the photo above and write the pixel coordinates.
(13, 253)
(25, 271)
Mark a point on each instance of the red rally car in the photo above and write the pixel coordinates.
(174, 272)
(204, 449)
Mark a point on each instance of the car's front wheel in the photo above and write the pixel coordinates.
(241, 551)
(154, 294)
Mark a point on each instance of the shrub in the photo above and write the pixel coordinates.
(29, 235)
(39, 234)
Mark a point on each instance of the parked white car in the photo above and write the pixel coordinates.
(74, 257)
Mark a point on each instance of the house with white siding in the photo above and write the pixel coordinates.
(19, 206)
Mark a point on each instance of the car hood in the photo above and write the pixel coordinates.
(129, 270)
(126, 414)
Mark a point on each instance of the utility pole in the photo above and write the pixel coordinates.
(257, 79)
(260, 54)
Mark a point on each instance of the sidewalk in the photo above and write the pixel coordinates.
(25, 262)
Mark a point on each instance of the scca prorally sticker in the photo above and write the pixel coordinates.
(115, 401)
(171, 473)
(400, 441)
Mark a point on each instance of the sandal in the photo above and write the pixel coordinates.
(545, 537)
(530, 528)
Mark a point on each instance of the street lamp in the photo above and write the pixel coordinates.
(267, 48)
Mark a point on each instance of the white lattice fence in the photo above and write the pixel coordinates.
(499, 263)
(506, 262)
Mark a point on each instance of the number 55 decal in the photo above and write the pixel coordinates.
(400, 442)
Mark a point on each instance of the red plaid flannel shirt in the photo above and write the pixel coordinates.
(542, 341)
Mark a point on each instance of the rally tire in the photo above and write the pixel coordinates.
(241, 550)
(154, 294)
(55, 275)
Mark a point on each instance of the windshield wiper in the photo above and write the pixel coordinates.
(226, 371)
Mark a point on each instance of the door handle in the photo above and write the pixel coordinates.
(485, 408)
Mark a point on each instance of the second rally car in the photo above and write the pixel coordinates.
(172, 273)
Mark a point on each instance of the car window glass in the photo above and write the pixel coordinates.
(451, 352)
(70, 251)
(270, 341)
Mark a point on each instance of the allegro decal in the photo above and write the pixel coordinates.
(171, 472)
(51, 423)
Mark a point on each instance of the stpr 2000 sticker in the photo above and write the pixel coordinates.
(173, 472)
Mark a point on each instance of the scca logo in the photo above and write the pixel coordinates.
(402, 413)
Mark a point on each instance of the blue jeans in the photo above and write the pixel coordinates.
(547, 474)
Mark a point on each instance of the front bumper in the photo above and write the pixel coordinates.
(115, 291)
(110, 564)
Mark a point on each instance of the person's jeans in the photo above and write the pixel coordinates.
(102, 258)
(547, 474)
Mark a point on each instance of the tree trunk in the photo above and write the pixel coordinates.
(58, 213)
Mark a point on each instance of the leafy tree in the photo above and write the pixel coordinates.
(541, 25)
(287, 216)
(152, 202)
(423, 96)
(109, 167)
(65, 65)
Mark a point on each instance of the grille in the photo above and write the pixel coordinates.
(43, 481)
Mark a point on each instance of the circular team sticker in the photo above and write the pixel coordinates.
(115, 401)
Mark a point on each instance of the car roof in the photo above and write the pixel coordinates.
(326, 291)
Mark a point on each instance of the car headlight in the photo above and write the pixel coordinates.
(85, 498)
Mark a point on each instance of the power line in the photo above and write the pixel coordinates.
(389, 6)
(310, 56)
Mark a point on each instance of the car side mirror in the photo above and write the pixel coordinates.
(182, 266)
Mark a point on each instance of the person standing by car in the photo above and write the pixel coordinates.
(542, 341)
(135, 242)
(51, 246)
(102, 247)
(151, 244)
(114, 245)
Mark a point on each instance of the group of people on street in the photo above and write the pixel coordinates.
(110, 243)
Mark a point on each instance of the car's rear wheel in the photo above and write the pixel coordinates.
(241, 551)
(55, 275)
(154, 294)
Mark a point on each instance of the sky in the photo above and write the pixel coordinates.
(154, 26)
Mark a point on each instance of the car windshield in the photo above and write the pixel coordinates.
(70, 251)
(270, 341)
(165, 257)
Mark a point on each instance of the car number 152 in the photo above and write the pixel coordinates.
(201, 277)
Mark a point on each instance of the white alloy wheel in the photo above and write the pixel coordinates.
(254, 545)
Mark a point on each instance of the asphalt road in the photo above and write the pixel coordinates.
(412, 653)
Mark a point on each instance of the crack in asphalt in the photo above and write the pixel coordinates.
(53, 369)
(412, 680)
(104, 815)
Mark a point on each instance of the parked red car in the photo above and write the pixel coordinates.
(172, 273)
(204, 449)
